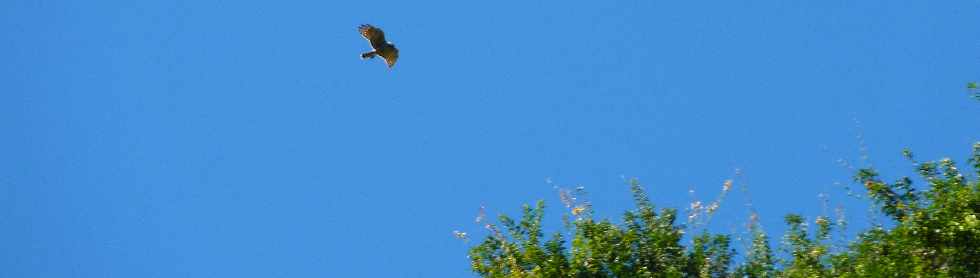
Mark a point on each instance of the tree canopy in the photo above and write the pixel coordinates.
(936, 233)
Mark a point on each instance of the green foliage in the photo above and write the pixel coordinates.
(710, 256)
(647, 244)
(936, 233)
(759, 261)
(972, 87)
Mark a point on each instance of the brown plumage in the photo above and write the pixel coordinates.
(381, 47)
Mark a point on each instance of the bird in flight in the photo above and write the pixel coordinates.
(380, 47)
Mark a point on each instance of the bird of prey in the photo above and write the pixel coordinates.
(380, 47)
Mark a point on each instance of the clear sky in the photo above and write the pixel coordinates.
(248, 139)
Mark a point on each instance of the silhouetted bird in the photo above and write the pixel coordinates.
(381, 47)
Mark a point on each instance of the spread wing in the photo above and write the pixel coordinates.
(373, 35)
(390, 54)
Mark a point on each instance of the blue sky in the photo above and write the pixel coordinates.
(247, 139)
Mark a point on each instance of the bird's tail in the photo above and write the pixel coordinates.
(369, 55)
